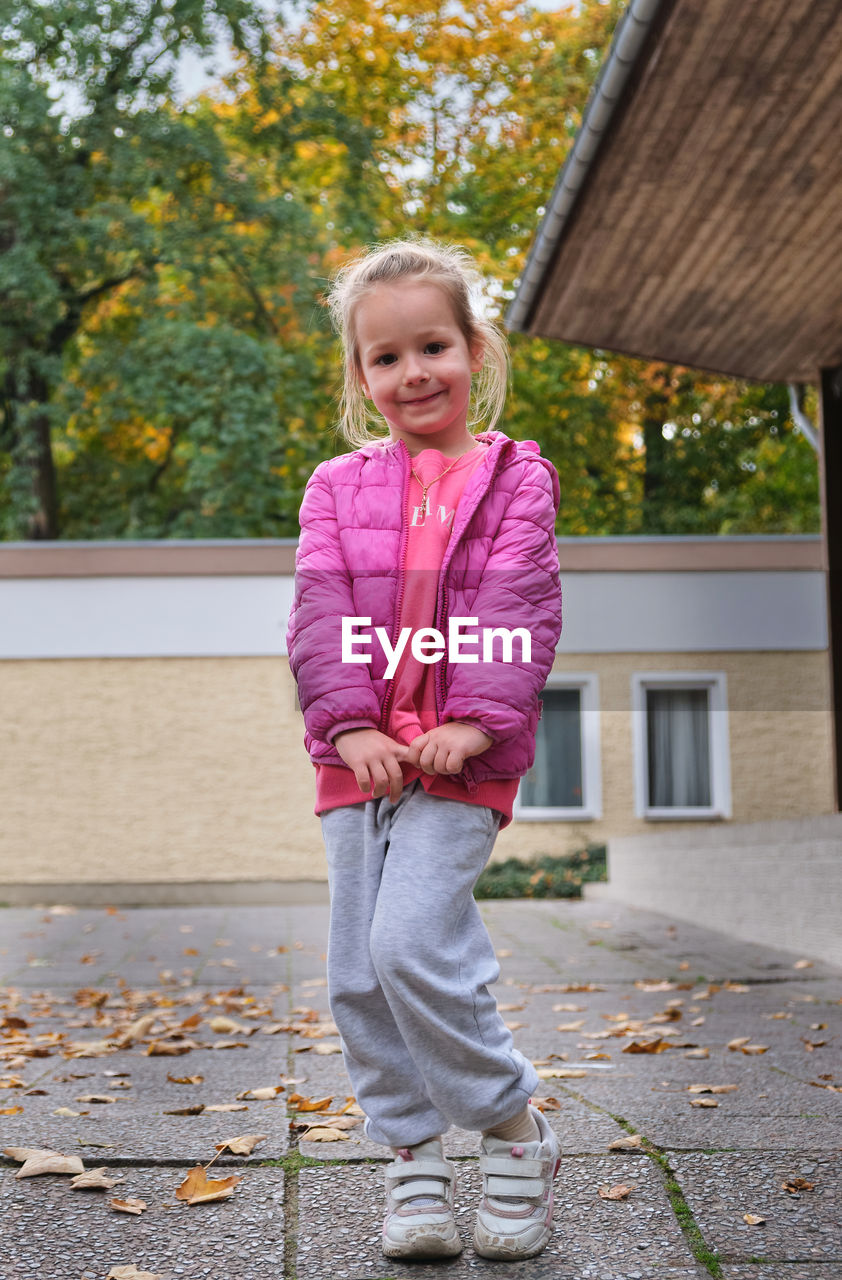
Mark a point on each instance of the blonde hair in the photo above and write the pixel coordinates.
(453, 269)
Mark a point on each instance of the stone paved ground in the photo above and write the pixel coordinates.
(308, 1209)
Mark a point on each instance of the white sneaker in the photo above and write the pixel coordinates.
(515, 1215)
(419, 1219)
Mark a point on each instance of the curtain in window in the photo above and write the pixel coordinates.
(555, 779)
(678, 742)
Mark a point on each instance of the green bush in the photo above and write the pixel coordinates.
(543, 877)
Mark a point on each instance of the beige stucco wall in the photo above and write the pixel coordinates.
(780, 743)
(193, 769)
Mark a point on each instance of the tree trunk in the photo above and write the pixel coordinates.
(655, 412)
(44, 522)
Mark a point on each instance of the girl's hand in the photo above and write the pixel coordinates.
(446, 748)
(375, 759)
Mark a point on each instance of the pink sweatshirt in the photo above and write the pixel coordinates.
(412, 709)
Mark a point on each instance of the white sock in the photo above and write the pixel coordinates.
(521, 1128)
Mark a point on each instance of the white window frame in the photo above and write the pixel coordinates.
(591, 807)
(718, 742)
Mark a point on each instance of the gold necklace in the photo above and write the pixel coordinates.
(430, 483)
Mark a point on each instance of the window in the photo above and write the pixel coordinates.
(563, 783)
(680, 728)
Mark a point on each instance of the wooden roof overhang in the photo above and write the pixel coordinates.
(701, 220)
(698, 217)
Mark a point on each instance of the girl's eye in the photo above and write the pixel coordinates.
(435, 347)
(388, 358)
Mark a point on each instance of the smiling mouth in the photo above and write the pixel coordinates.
(424, 399)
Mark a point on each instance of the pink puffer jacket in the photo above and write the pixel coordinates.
(500, 566)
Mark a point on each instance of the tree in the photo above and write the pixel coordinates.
(119, 214)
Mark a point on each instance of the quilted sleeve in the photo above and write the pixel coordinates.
(334, 696)
(518, 587)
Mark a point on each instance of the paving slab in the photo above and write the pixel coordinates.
(717, 1129)
(660, 945)
(721, 1188)
(728, 1159)
(594, 1239)
(241, 1238)
(782, 1271)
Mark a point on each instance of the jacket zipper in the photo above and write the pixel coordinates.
(441, 683)
(384, 714)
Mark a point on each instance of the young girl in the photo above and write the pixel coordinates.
(419, 741)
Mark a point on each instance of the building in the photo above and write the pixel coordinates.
(153, 747)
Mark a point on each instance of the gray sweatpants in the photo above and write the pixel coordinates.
(409, 964)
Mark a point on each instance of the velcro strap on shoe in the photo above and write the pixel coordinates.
(412, 1187)
(511, 1167)
(520, 1188)
(420, 1169)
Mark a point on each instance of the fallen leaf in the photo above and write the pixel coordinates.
(170, 1048)
(753, 1219)
(336, 1122)
(263, 1094)
(242, 1145)
(95, 1179)
(712, 1088)
(646, 1046)
(753, 1048)
(697, 1053)
(131, 1273)
(703, 1102)
(794, 1185)
(327, 1048)
(568, 1008)
(185, 1079)
(227, 1106)
(96, 1097)
(136, 1030)
(547, 1104)
(36, 1162)
(195, 1109)
(11, 1111)
(326, 1134)
(222, 1025)
(571, 1026)
(561, 1073)
(130, 1205)
(197, 1188)
(632, 1142)
(309, 1104)
(66, 1111)
(88, 1048)
(667, 1015)
(803, 964)
(619, 1192)
(229, 1044)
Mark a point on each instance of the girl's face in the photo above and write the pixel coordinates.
(415, 364)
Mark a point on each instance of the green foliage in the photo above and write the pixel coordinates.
(166, 367)
(543, 877)
(146, 281)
